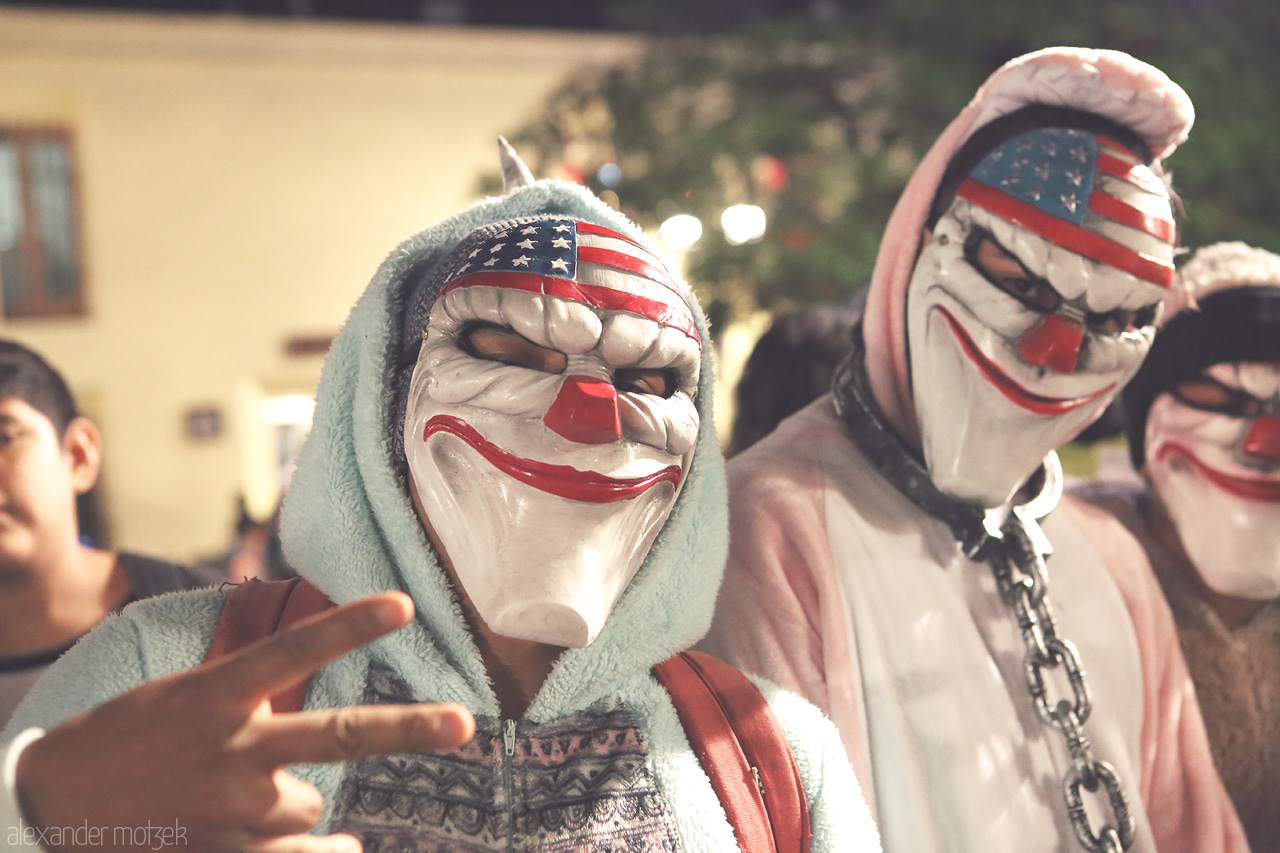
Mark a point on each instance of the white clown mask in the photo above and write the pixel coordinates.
(551, 421)
(1213, 456)
(1032, 302)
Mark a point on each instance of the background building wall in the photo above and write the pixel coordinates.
(239, 183)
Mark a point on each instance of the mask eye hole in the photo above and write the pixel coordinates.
(658, 382)
(1209, 395)
(1001, 268)
(1122, 320)
(498, 343)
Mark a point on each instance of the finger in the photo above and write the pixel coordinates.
(307, 844)
(273, 664)
(297, 807)
(345, 734)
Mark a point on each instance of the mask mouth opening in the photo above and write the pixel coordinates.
(551, 622)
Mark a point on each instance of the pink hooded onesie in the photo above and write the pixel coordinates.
(842, 589)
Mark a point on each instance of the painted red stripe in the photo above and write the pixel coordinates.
(1065, 234)
(623, 261)
(601, 231)
(1126, 214)
(1249, 488)
(653, 269)
(1006, 385)
(1108, 142)
(560, 480)
(676, 316)
(1139, 176)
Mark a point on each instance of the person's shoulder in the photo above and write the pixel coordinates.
(147, 639)
(838, 811)
(799, 442)
(1114, 498)
(149, 576)
(1109, 508)
(1114, 531)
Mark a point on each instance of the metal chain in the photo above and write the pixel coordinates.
(1021, 578)
(1015, 548)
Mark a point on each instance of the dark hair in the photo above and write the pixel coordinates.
(989, 136)
(28, 377)
(1236, 324)
(792, 365)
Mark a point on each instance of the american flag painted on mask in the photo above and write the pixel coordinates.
(1065, 185)
(577, 260)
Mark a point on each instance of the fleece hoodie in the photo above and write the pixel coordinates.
(599, 760)
(870, 609)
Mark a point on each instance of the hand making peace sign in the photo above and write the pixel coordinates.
(202, 749)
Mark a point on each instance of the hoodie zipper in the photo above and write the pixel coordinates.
(508, 779)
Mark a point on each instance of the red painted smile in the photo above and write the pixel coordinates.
(1249, 488)
(1050, 406)
(560, 480)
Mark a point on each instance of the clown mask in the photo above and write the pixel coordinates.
(1213, 456)
(1032, 302)
(551, 421)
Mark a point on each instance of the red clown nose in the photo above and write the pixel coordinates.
(585, 411)
(1263, 439)
(1054, 343)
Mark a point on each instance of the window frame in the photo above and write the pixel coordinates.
(36, 301)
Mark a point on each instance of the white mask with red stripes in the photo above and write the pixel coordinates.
(1032, 302)
(551, 420)
(1213, 456)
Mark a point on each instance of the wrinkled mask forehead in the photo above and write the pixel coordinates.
(600, 298)
(574, 261)
(577, 261)
(562, 283)
(1260, 380)
(1082, 192)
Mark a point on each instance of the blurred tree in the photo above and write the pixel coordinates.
(808, 127)
(820, 119)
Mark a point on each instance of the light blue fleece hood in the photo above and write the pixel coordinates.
(351, 528)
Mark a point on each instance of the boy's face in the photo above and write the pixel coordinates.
(40, 476)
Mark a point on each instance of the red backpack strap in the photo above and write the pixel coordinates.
(742, 749)
(257, 609)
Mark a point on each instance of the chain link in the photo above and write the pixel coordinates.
(1022, 581)
(1110, 839)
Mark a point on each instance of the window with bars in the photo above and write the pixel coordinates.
(40, 265)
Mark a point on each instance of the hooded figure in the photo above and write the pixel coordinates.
(1203, 418)
(892, 552)
(525, 389)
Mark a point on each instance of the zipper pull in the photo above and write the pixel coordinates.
(509, 737)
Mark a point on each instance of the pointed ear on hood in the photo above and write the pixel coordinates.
(1107, 83)
(515, 173)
